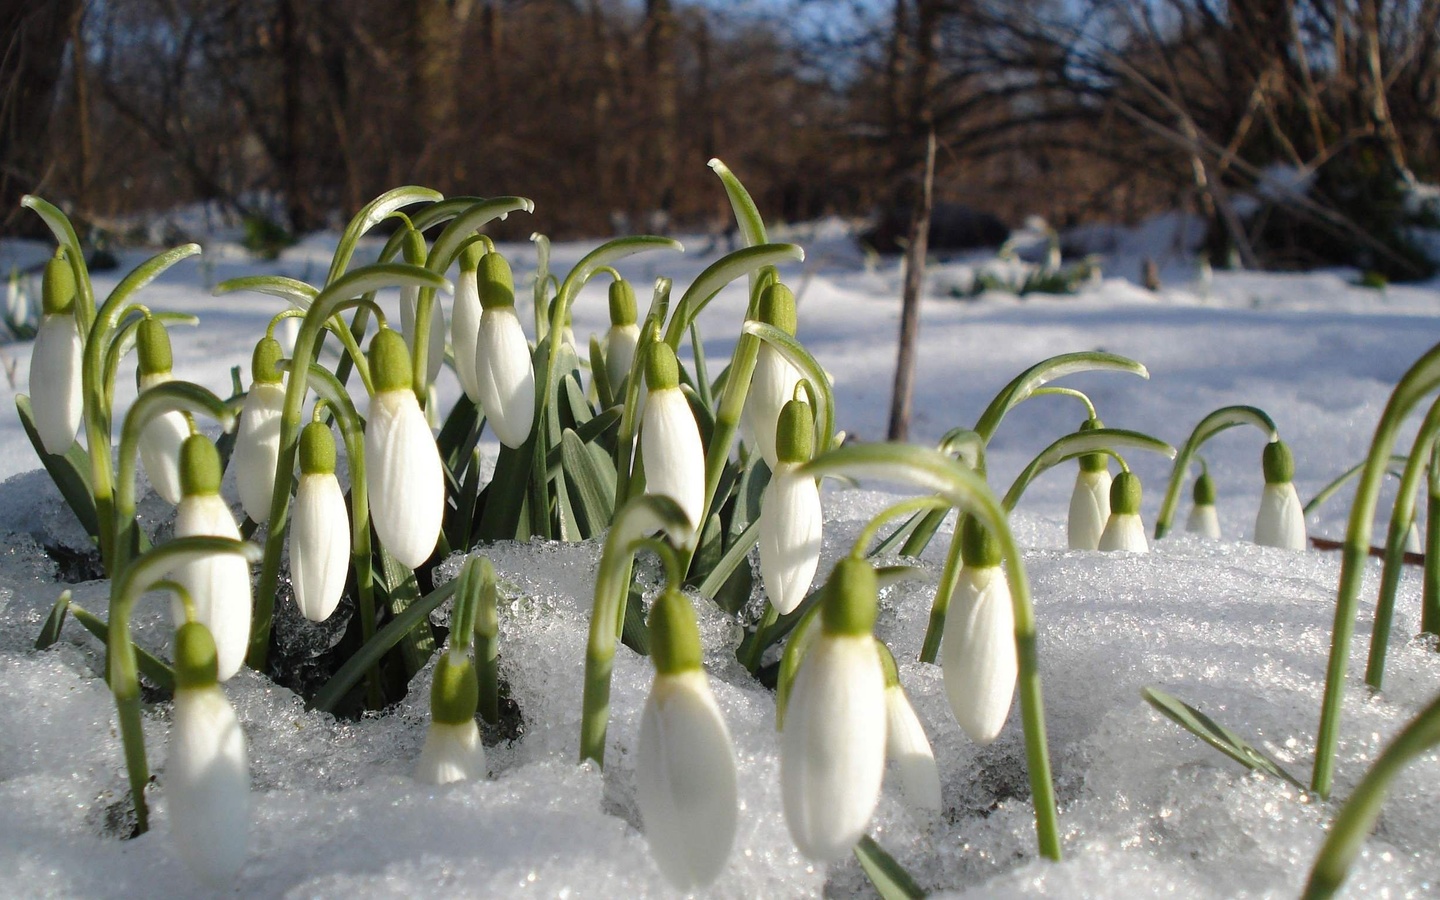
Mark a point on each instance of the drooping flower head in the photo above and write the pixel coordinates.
(402, 464)
(465, 320)
(257, 443)
(1204, 520)
(55, 363)
(832, 751)
(1280, 521)
(669, 438)
(320, 534)
(685, 779)
(1124, 530)
(773, 383)
(452, 751)
(504, 373)
(790, 515)
(160, 441)
(218, 585)
(207, 773)
(1090, 501)
(906, 744)
(978, 648)
(623, 336)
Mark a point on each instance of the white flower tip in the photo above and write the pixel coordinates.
(908, 747)
(452, 752)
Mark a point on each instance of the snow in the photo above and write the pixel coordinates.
(1145, 809)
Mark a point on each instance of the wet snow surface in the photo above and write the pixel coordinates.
(1145, 809)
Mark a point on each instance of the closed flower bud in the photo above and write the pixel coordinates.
(1280, 521)
(1090, 500)
(320, 535)
(219, 585)
(906, 744)
(669, 438)
(55, 362)
(465, 321)
(623, 336)
(504, 375)
(1124, 530)
(685, 779)
(832, 751)
(790, 515)
(257, 443)
(978, 649)
(160, 441)
(1204, 520)
(773, 383)
(207, 772)
(402, 464)
(452, 750)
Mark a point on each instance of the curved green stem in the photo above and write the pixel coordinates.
(908, 506)
(1333, 487)
(124, 341)
(710, 282)
(1208, 427)
(65, 236)
(372, 214)
(1097, 440)
(1053, 391)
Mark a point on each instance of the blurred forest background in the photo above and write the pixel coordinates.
(291, 114)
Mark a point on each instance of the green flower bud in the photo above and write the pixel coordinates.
(1125, 494)
(795, 433)
(674, 636)
(1204, 491)
(470, 256)
(57, 287)
(390, 362)
(777, 307)
(496, 282)
(196, 664)
(1093, 462)
(265, 361)
(199, 467)
(850, 599)
(1278, 462)
(978, 547)
(662, 370)
(153, 345)
(317, 450)
(413, 247)
(455, 692)
(622, 303)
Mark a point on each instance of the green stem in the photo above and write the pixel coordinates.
(1430, 594)
(1208, 427)
(630, 412)
(486, 630)
(1330, 489)
(1096, 440)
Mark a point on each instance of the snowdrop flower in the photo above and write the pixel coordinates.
(1124, 530)
(402, 464)
(207, 772)
(414, 249)
(623, 336)
(906, 744)
(1090, 501)
(832, 751)
(978, 648)
(1280, 521)
(669, 438)
(452, 750)
(504, 375)
(160, 441)
(320, 535)
(219, 586)
(773, 383)
(685, 781)
(55, 362)
(790, 516)
(465, 321)
(1204, 520)
(257, 443)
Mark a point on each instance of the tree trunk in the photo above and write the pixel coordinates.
(660, 62)
(900, 400)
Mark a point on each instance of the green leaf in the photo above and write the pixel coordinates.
(1217, 735)
(478, 215)
(891, 881)
(1078, 444)
(151, 666)
(1024, 385)
(298, 293)
(720, 273)
(50, 631)
(70, 471)
(1214, 423)
(589, 433)
(371, 215)
(747, 215)
(593, 476)
(147, 272)
(727, 564)
(634, 633)
(403, 591)
(506, 491)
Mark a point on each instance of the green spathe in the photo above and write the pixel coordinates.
(455, 692)
(57, 288)
(777, 307)
(674, 636)
(199, 467)
(849, 602)
(495, 281)
(470, 256)
(1093, 462)
(196, 663)
(623, 310)
(390, 362)
(978, 547)
(662, 370)
(1278, 462)
(153, 345)
(1204, 491)
(317, 450)
(264, 363)
(795, 432)
(1125, 495)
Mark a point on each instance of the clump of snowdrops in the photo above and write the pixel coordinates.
(624, 444)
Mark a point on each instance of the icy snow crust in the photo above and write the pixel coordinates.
(1145, 809)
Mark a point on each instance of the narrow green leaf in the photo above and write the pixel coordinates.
(402, 591)
(589, 433)
(147, 272)
(504, 495)
(1216, 735)
(891, 880)
(50, 631)
(593, 478)
(1023, 385)
(371, 215)
(747, 215)
(151, 666)
(1078, 444)
(1214, 423)
(727, 564)
(298, 293)
(720, 273)
(478, 215)
(70, 472)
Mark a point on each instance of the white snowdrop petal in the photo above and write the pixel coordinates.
(505, 376)
(160, 446)
(772, 385)
(452, 752)
(685, 780)
(1124, 531)
(1204, 521)
(620, 343)
(1089, 510)
(1281, 519)
(435, 352)
(674, 456)
(832, 751)
(207, 785)
(257, 448)
(319, 545)
(219, 585)
(978, 652)
(908, 747)
(791, 522)
(404, 477)
(55, 385)
(465, 331)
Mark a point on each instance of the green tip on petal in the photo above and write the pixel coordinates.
(470, 256)
(1125, 494)
(153, 343)
(1204, 491)
(455, 692)
(1278, 462)
(413, 247)
(390, 361)
(199, 467)
(622, 303)
(850, 596)
(317, 450)
(264, 363)
(57, 287)
(674, 636)
(1093, 462)
(978, 547)
(795, 432)
(662, 370)
(496, 282)
(887, 662)
(777, 307)
(196, 665)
